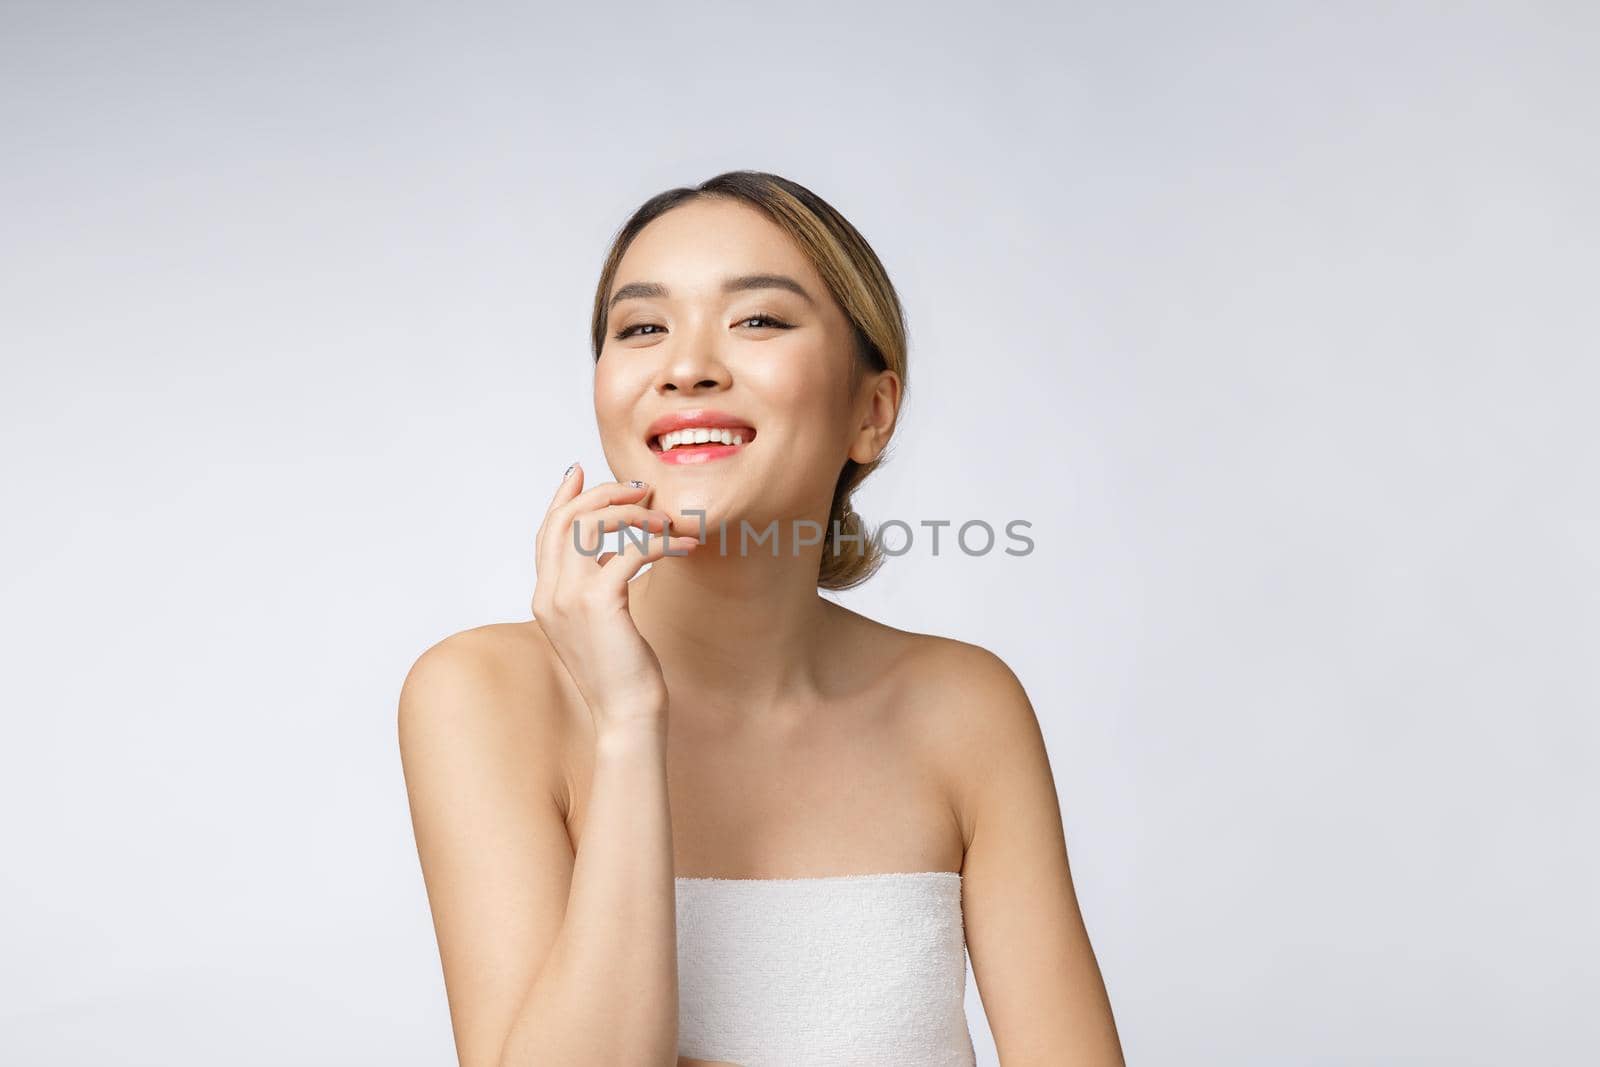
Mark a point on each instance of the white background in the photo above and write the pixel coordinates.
(1277, 321)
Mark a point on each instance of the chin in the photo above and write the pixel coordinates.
(685, 506)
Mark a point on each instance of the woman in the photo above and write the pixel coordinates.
(707, 814)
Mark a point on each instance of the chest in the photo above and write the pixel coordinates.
(823, 794)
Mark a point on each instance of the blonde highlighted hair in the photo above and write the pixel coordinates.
(859, 284)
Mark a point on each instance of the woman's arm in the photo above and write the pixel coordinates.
(548, 958)
(551, 957)
(1035, 969)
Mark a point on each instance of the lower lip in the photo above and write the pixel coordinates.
(684, 455)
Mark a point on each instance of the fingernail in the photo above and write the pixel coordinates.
(568, 472)
(636, 484)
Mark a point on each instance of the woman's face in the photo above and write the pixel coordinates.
(690, 345)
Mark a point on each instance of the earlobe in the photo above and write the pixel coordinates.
(869, 445)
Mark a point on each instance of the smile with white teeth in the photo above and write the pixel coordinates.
(699, 435)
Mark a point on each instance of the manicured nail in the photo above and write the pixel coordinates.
(636, 484)
(568, 472)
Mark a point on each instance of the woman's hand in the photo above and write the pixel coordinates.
(581, 600)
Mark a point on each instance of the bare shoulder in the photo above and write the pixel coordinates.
(966, 682)
(497, 686)
(975, 699)
(503, 661)
(510, 646)
(960, 702)
(481, 723)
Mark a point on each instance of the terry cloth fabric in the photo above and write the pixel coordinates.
(861, 969)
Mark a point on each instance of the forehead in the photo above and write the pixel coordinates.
(695, 245)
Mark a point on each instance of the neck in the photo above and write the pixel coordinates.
(745, 631)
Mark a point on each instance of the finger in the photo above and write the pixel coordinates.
(622, 566)
(588, 529)
(588, 539)
(571, 485)
(602, 495)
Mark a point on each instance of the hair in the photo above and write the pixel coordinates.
(858, 283)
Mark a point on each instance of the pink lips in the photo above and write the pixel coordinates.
(684, 455)
(688, 454)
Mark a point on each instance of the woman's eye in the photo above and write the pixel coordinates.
(763, 321)
(629, 332)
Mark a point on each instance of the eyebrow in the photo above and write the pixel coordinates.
(739, 284)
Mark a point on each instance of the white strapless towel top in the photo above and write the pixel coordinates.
(825, 972)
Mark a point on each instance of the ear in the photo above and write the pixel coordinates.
(880, 409)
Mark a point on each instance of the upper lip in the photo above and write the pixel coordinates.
(706, 417)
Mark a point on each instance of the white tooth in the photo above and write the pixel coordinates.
(727, 437)
(738, 438)
(701, 436)
(673, 438)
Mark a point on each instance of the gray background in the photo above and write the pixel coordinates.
(1277, 321)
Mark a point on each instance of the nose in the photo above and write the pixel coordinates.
(694, 366)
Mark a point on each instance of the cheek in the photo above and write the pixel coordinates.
(614, 392)
(812, 415)
(811, 402)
